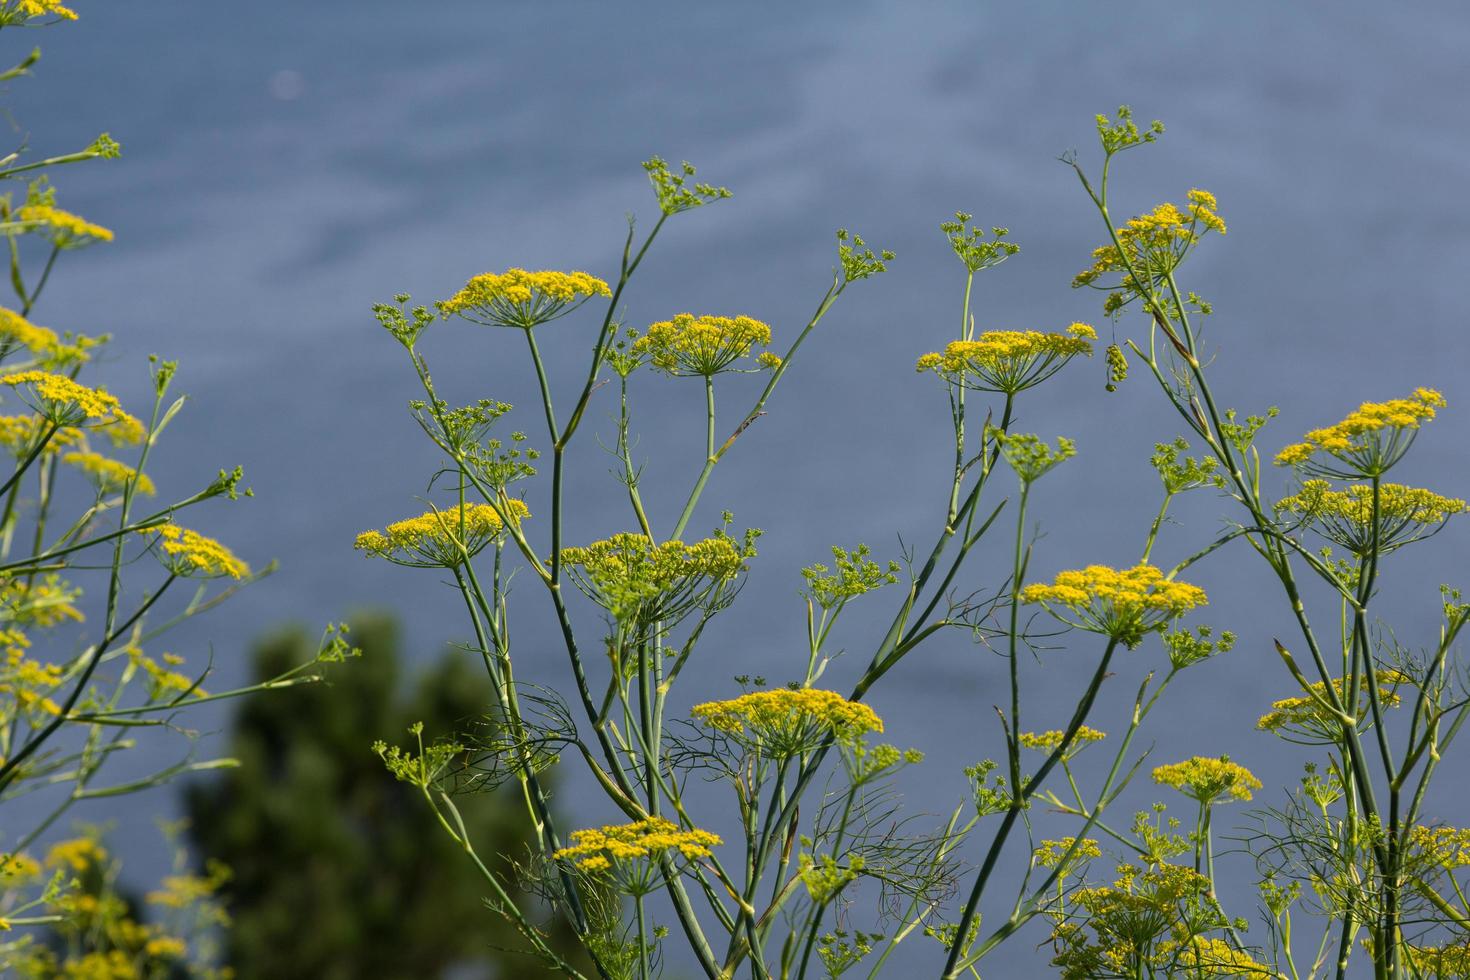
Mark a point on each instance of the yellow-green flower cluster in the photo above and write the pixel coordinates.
(1309, 716)
(16, 329)
(1152, 245)
(630, 852)
(109, 475)
(783, 723)
(66, 230)
(825, 876)
(191, 554)
(1124, 604)
(65, 403)
(43, 8)
(1440, 962)
(1405, 514)
(1050, 741)
(18, 435)
(639, 582)
(1008, 361)
(517, 298)
(1135, 924)
(1368, 441)
(704, 346)
(1448, 847)
(440, 538)
(1208, 780)
(1051, 852)
(1215, 959)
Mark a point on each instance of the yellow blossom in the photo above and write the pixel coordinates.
(44, 8)
(440, 538)
(517, 298)
(16, 329)
(18, 434)
(1050, 741)
(1208, 780)
(703, 346)
(1309, 717)
(638, 581)
(63, 402)
(1124, 604)
(63, 227)
(782, 723)
(1051, 852)
(1152, 245)
(1450, 962)
(78, 854)
(630, 853)
(1448, 847)
(1345, 517)
(109, 475)
(189, 553)
(1009, 361)
(1368, 441)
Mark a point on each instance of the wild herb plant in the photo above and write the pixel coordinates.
(93, 576)
(1352, 870)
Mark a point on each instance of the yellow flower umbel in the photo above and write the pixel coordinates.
(1345, 517)
(66, 404)
(1366, 443)
(1451, 962)
(192, 555)
(1446, 847)
(630, 854)
(783, 723)
(517, 298)
(109, 475)
(20, 11)
(1309, 718)
(1049, 742)
(704, 346)
(62, 228)
(1207, 780)
(1153, 245)
(18, 435)
(1215, 959)
(1008, 361)
(439, 538)
(1124, 604)
(639, 582)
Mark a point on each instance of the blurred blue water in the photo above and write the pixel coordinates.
(285, 167)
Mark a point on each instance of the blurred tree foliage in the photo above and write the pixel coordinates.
(339, 870)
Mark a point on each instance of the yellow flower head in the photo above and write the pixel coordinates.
(65, 403)
(1209, 780)
(1346, 517)
(18, 435)
(62, 228)
(16, 330)
(1216, 959)
(1050, 741)
(703, 346)
(109, 475)
(517, 298)
(639, 582)
(1152, 245)
(1309, 717)
(28, 9)
(1367, 442)
(1008, 361)
(783, 723)
(1449, 962)
(1051, 852)
(630, 853)
(1447, 847)
(77, 854)
(1124, 604)
(440, 538)
(192, 555)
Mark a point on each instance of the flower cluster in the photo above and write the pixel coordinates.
(675, 192)
(973, 248)
(1135, 924)
(1150, 247)
(1448, 847)
(784, 723)
(517, 298)
(703, 346)
(66, 404)
(1123, 604)
(18, 435)
(23, 10)
(1051, 852)
(857, 259)
(62, 228)
(190, 554)
(1346, 517)
(1030, 455)
(109, 475)
(1366, 443)
(1008, 361)
(1439, 962)
(855, 575)
(1208, 780)
(1052, 740)
(440, 538)
(1309, 717)
(630, 853)
(639, 582)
